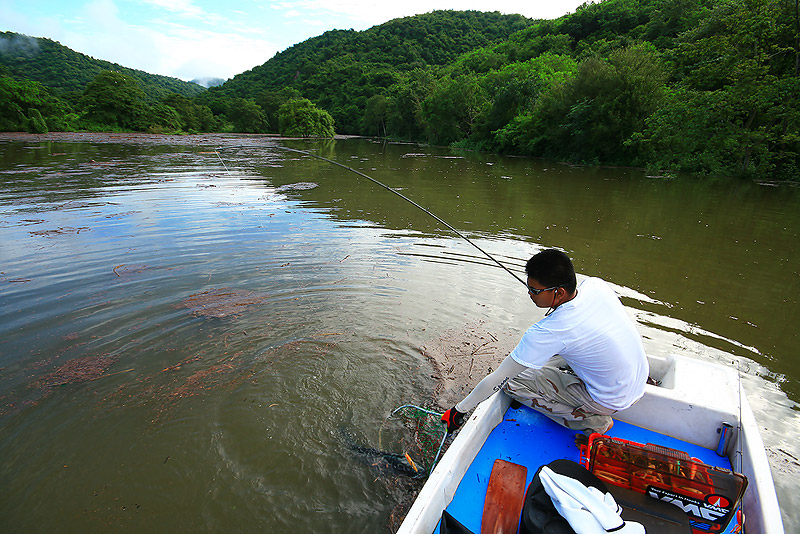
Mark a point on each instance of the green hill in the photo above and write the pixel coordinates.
(341, 69)
(63, 70)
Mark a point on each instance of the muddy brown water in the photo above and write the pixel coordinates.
(186, 323)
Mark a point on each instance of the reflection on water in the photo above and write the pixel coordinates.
(187, 324)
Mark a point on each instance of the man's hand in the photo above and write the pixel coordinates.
(453, 419)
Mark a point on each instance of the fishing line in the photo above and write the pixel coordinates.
(401, 195)
(223, 163)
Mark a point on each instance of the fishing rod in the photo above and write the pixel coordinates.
(401, 195)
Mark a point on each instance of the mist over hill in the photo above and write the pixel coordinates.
(63, 70)
(208, 82)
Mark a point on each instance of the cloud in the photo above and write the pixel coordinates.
(370, 12)
(185, 8)
(13, 19)
(188, 11)
(100, 32)
(196, 54)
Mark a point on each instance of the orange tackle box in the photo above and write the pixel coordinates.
(709, 495)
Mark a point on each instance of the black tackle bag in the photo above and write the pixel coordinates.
(539, 514)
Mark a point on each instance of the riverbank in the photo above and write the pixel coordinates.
(150, 139)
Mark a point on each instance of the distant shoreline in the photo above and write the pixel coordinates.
(148, 138)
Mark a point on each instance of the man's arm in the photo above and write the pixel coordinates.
(507, 370)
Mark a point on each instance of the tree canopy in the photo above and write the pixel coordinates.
(300, 117)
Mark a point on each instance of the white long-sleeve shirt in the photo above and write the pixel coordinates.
(594, 334)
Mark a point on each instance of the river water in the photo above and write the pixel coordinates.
(187, 323)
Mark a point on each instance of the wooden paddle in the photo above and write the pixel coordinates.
(504, 498)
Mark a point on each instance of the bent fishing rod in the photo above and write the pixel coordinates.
(401, 195)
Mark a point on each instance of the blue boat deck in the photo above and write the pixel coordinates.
(544, 441)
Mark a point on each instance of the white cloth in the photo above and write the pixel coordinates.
(597, 338)
(587, 510)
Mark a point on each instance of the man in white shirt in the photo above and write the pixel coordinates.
(578, 365)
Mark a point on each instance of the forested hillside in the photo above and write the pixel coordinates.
(703, 86)
(63, 70)
(341, 69)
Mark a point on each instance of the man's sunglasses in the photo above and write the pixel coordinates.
(537, 291)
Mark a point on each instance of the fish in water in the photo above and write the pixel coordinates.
(384, 460)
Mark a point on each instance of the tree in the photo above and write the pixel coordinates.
(514, 90)
(35, 122)
(301, 117)
(165, 119)
(61, 70)
(16, 101)
(116, 100)
(691, 132)
(374, 121)
(194, 116)
(247, 116)
(28, 106)
(271, 102)
(739, 68)
(404, 113)
(341, 70)
(449, 112)
(594, 115)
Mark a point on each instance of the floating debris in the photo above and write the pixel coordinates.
(461, 358)
(124, 269)
(210, 377)
(299, 186)
(122, 214)
(198, 375)
(64, 230)
(79, 370)
(220, 303)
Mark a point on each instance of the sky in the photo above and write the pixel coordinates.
(194, 39)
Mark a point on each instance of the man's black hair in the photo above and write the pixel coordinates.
(552, 268)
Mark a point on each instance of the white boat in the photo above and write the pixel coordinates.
(691, 403)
